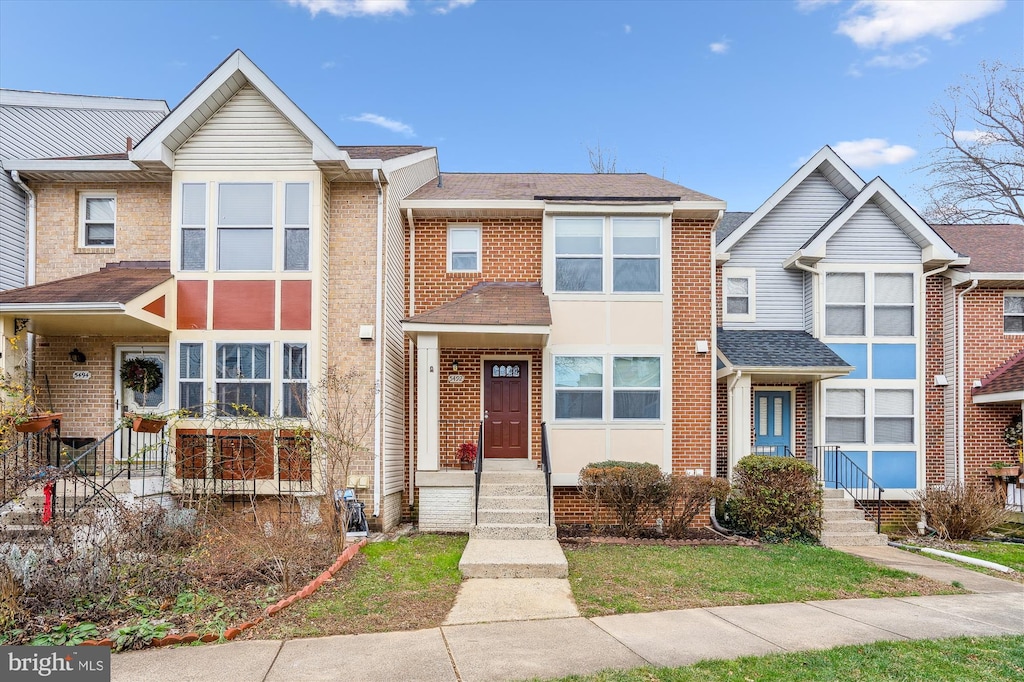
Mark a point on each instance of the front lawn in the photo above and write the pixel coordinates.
(984, 659)
(609, 579)
(405, 584)
(1009, 554)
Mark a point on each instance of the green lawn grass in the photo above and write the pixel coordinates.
(980, 659)
(611, 579)
(405, 584)
(1007, 554)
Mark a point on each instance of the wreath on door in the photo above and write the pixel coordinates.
(141, 375)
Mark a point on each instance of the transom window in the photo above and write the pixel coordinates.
(98, 211)
(631, 248)
(243, 378)
(1013, 312)
(464, 248)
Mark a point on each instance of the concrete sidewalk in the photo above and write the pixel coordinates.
(556, 647)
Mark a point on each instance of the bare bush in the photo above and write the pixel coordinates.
(632, 490)
(688, 496)
(961, 511)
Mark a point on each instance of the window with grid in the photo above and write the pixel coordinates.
(894, 304)
(636, 255)
(636, 388)
(243, 378)
(193, 226)
(190, 378)
(579, 387)
(245, 226)
(1013, 312)
(845, 415)
(738, 293)
(464, 248)
(579, 253)
(845, 304)
(294, 385)
(98, 212)
(296, 226)
(894, 415)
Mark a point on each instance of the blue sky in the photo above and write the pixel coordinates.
(724, 97)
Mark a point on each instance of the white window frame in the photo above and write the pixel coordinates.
(875, 305)
(477, 231)
(912, 416)
(578, 389)
(863, 305)
(288, 227)
(271, 227)
(613, 256)
(200, 380)
(863, 416)
(184, 227)
(637, 389)
(1006, 295)
(748, 274)
(607, 256)
(268, 381)
(286, 383)
(83, 223)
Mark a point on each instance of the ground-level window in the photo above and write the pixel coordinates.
(294, 380)
(190, 378)
(1013, 312)
(845, 414)
(243, 378)
(636, 388)
(894, 416)
(579, 387)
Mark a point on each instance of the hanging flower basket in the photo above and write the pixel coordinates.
(141, 375)
(36, 422)
(142, 424)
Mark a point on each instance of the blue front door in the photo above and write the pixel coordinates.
(773, 431)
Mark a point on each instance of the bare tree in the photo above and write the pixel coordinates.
(601, 160)
(977, 175)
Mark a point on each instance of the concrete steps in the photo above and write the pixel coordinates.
(512, 537)
(844, 525)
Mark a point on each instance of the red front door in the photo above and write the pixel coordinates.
(506, 409)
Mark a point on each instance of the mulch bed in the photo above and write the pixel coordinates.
(581, 535)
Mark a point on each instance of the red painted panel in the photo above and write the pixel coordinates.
(157, 307)
(296, 304)
(243, 454)
(191, 304)
(243, 304)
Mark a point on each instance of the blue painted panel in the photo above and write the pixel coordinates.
(855, 354)
(894, 469)
(894, 361)
(847, 474)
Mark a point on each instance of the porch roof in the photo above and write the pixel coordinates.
(778, 353)
(1004, 385)
(488, 313)
(125, 297)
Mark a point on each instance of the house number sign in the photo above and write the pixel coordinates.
(81, 375)
(455, 378)
(505, 371)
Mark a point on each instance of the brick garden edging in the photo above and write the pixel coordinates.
(734, 541)
(231, 633)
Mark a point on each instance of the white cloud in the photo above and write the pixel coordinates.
(627, 28)
(807, 6)
(353, 8)
(979, 136)
(873, 151)
(720, 47)
(386, 123)
(907, 60)
(449, 5)
(882, 23)
(328, 65)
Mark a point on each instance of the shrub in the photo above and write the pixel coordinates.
(962, 511)
(632, 490)
(688, 496)
(776, 498)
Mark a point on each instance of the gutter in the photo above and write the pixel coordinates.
(378, 348)
(30, 236)
(960, 381)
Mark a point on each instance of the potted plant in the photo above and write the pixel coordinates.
(34, 423)
(466, 455)
(1000, 469)
(143, 423)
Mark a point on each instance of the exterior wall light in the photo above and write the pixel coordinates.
(77, 356)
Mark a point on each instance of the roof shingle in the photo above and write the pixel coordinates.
(992, 248)
(555, 186)
(493, 303)
(114, 283)
(776, 348)
(1007, 378)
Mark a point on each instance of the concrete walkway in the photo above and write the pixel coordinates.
(562, 646)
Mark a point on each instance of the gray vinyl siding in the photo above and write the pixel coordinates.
(949, 392)
(401, 184)
(12, 234)
(870, 236)
(779, 292)
(246, 133)
(809, 303)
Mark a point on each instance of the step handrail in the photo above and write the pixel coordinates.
(545, 464)
(841, 459)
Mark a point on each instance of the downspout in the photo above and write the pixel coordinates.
(30, 269)
(378, 348)
(412, 360)
(961, 394)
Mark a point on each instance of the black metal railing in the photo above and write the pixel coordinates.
(478, 468)
(21, 462)
(835, 468)
(545, 464)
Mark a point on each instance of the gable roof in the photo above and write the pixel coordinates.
(933, 247)
(781, 349)
(991, 248)
(825, 161)
(493, 303)
(730, 222)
